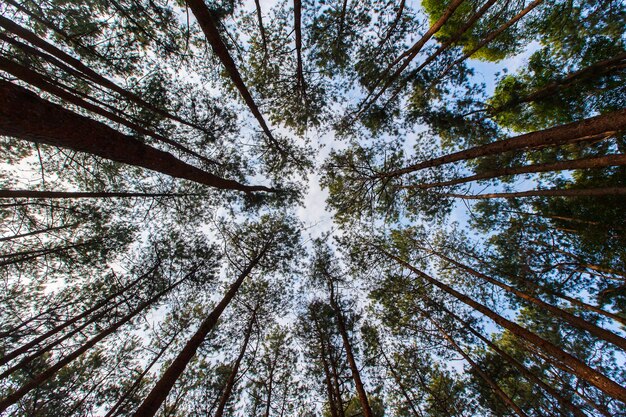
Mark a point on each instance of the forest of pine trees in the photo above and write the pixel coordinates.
(333, 208)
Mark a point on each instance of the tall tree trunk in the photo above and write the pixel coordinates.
(598, 69)
(393, 26)
(342, 20)
(583, 163)
(403, 390)
(485, 377)
(599, 126)
(259, 16)
(576, 366)
(211, 32)
(520, 367)
(490, 37)
(336, 381)
(81, 194)
(72, 96)
(297, 14)
(232, 378)
(21, 257)
(575, 321)
(39, 379)
(580, 262)
(546, 290)
(542, 356)
(407, 56)
(568, 192)
(85, 70)
(115, 410)
(332, 406)
(25, 116)
(159, 392)
(356, 375)
(37, 232)
(27, 346)
(47, 311)
(457, 35)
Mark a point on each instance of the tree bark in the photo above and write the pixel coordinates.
(72, 96)
(336, 381)
(114, 410)
(490, 37)
(576, 366)
(393, 26)
(593, 127)
(26, 347)
(457, 35)
(575, 321)
(545, 290)
(259, 17)
(356, 376)
(329, 388)
(20, 257)
(204, 18)
(583, 163)
(297, 13)
(230, 383)
(85, 70)
(37, 232)
(403, 390)
(39, 379)
(520, 367)
(408, 56)
(598, 69)
(159, 392)
(25, 116)
(81, 194)
(568, 192)
(494, 386)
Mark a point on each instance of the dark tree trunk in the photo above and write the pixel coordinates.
(356, 375)
(39, 379)
(594, 127)
(85, 70)
(115, 410)
(36, 232)
(520, 367)
(598, 332)
(25, 116)
(548, 291)
(72, 96)
(568, 192)
(576, 366)
(396, 377)
(393, 26)
(232, 378)
(259, 17)
(81, 194)
(297, 14)
(159, 392)
(584, 163)
(204, 18)
(407, 56)
(21, 257)
(598, 69)
(26, 347)
(490, 37)
(485, 377)
(457, 35)
(323, 356)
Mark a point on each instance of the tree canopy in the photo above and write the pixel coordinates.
(313, 208)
